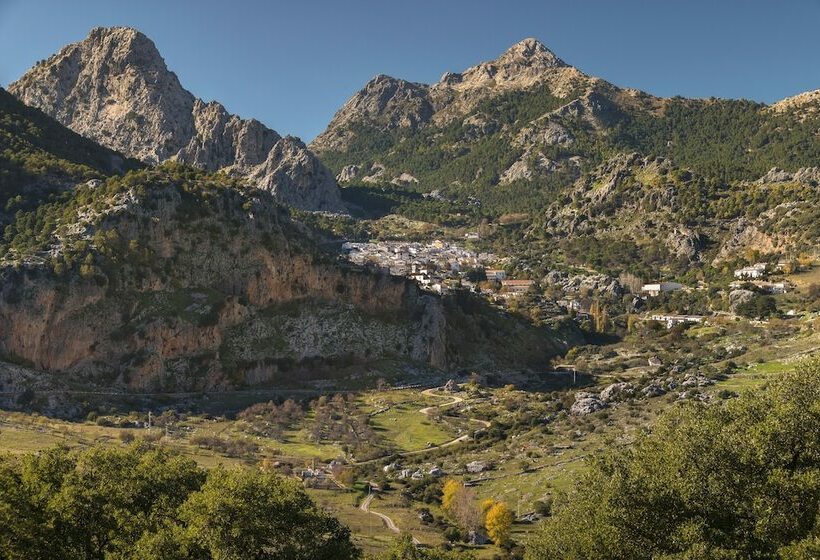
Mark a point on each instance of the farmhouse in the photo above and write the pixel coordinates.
(672, 320)
(751, 272)
(655, 290)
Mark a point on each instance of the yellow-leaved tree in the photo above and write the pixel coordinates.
(448, 494)
(498, 522)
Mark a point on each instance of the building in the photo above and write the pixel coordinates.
(751, 272)
(655, 290)
(774, 288)
(673, 320)
(495, 274)
(516, 286)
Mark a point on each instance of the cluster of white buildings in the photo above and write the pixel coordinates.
(435, 266)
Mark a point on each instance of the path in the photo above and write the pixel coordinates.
(365, 507)
(426, 411)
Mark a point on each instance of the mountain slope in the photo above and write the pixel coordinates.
(115, 88)
(40, 158)
(528, 117)
(171, 278)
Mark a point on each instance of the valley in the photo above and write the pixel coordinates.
(519, 313)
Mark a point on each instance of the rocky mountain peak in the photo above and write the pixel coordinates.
(115, 88)
(530, 52)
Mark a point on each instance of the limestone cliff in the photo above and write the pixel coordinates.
(168, 283)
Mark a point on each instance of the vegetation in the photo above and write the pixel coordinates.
(739, 480)
(138, 502)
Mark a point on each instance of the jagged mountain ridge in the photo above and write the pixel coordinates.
(392, 102)
(539, 117)
(115, 88)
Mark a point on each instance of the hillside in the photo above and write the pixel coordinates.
(115, 88)
(524, 134)
(39, 157)
(171, 278)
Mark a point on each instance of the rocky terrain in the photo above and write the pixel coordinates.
(172, 278)
(114, 88)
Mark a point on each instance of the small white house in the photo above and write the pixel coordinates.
(751, 272)
(672, 320)
(655, 290)
(495, 274)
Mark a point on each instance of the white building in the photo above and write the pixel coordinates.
(672, 320)
(655, 290)
(751, 272)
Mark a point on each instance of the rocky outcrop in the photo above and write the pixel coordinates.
(206, 289)
(388, 103)
(114, 87)
(804, 175)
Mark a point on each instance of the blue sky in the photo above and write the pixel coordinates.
(292, 64)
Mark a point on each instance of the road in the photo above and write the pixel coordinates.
(426, 411)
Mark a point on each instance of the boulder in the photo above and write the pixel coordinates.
(617, 392)
(586, 403)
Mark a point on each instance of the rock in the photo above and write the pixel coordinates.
(425, 516)
(653, 390)
(696, 381)
(450, 386)
(376, 174)
(476, 467)
(586, 403)
(684, 242)
(114, 87)
(616, 392)
(804, 175)
(477, 538)
(348, 173)
(739, 297)
(403, 180)
(436, 471)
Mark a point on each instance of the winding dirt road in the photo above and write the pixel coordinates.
(365, 507)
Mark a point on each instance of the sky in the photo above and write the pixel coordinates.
(293, 64)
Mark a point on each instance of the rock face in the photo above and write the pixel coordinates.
(388, 103)
(115, 88)
(231, 295)
(586, 403)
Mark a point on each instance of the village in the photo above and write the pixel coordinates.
(442, 267)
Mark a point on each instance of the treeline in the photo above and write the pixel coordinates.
(142, 503)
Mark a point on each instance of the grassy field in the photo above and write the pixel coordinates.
(401, 424)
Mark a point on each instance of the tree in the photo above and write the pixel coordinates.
(498, 522)
(138, 503)
(241, 514)
(459, 502)
(738, 479)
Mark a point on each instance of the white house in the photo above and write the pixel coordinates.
(655, 290)
(672, 320)
(751, 272)
(495, 274)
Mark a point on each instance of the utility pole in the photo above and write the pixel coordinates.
(149, 419)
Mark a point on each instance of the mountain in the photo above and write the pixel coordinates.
(169, 278)
(114, 88)
(40, 158)
(521, 135)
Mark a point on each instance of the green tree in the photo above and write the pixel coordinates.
(739, 479)
(241, 515)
